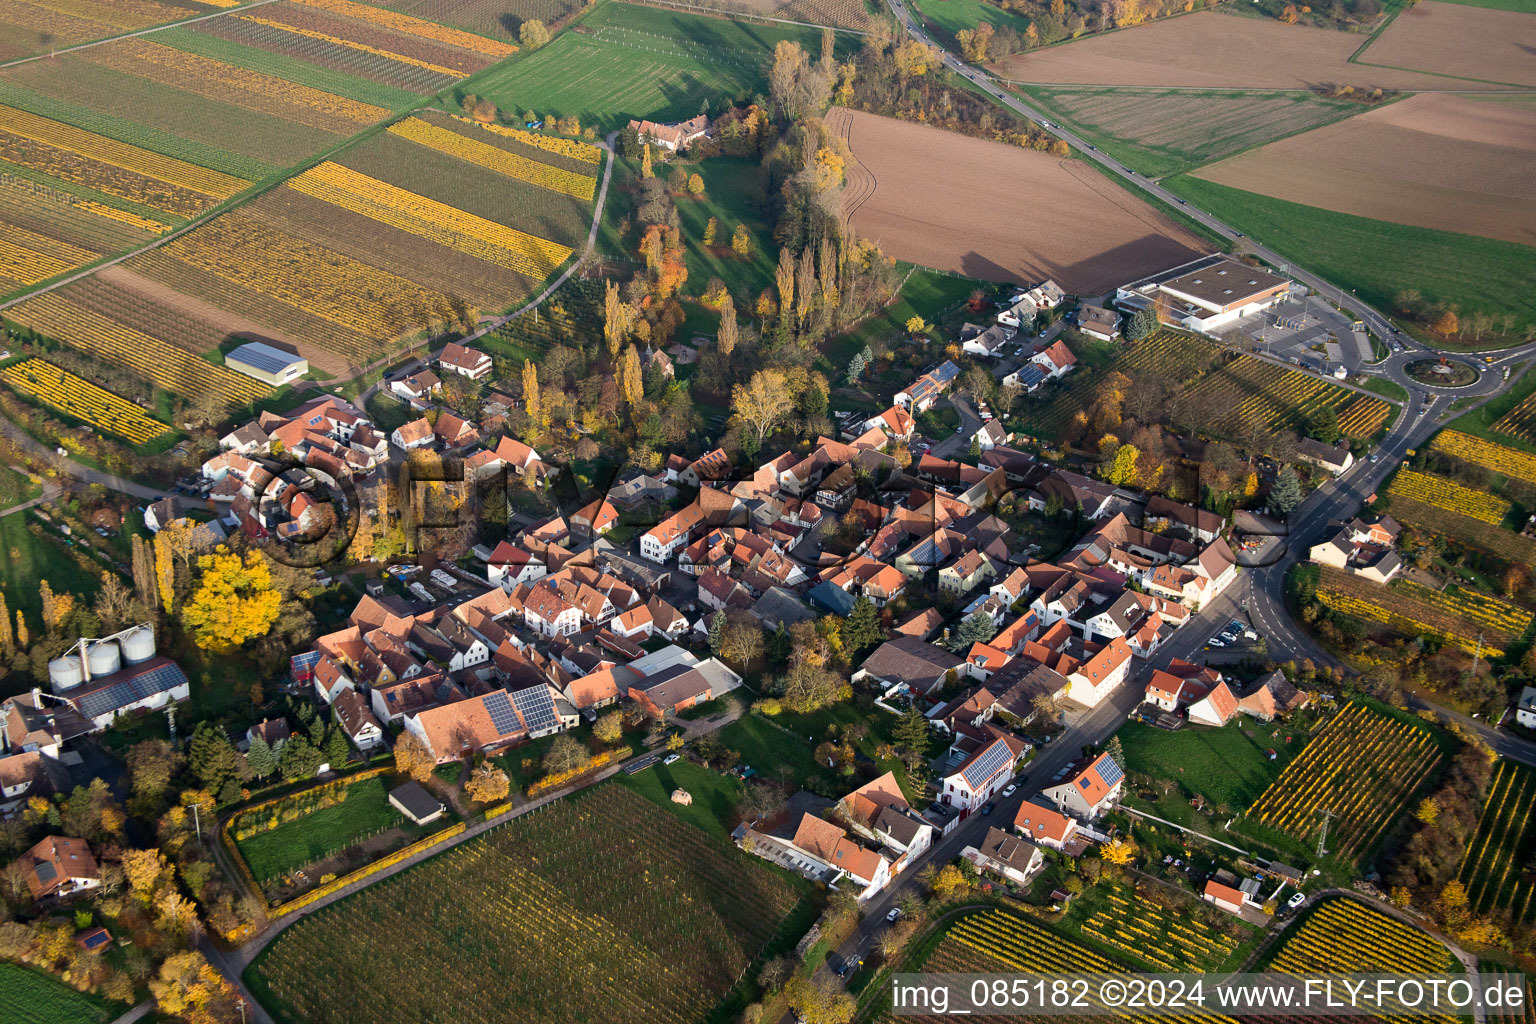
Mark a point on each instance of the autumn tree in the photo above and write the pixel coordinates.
(188, 988)
(1119, 851)
(413, 758)
(151, 766)
(975, 42)
(631, 378)
(616, 320)
(762, 404)
(646, 169)
(532, 402)
(742, 639)
(819, 1001)
(741, 241)
(609, 728)
(726, 339)
(234, 601)
(488, 783)
(1122, 470)
(1447, 324)
(565, 754)
(784, 279)
(532, 34)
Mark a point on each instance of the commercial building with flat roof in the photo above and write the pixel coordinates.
(1207, 294)
(266, 363)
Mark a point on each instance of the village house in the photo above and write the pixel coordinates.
(1336, 459)
(1014, 859)
(1098, 322)
(1089, 790)
(1055, 360)
(674, 137)
(920, 395)
(906, 661)
(1045, 826)
(1099, 676)
(983, 775)
(1234, 899)
(57, 868)
(466, 362)
(1215, 709)
(1363, 546)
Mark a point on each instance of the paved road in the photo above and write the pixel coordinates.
(135, 1013)
(85, 474)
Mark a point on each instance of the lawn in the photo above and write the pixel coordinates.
(1386, 388)
(626, 62)
(316, 835)
(950, 16)
(1379, 259)
(31, 997)
(28, 560)
(732, 195)
(923, 293)
(1227, 766)
(714, 794)
(632, 915)
(16, 487)
(775, 753)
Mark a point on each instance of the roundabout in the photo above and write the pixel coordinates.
(1441, 372)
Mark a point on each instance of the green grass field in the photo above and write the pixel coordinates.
(714, 795)
(626, 62)
(1224, 765)
(31, 997)
(1165, 131)
(923, 293)
(24, 559)
(732, 196)
(320, 833)
(951, 16)
(1376, 258)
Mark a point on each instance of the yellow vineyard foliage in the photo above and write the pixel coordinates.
(122, 216)
(82, 400)
(352, 44)
(241, 87)
(119, 154)
(1451, 496)
(416, 27)
(29, 257)
(309, 276)
(172, 368)
(122, 14)
(485, 239)
(586, 153)
(1488, 454)
(556, 179)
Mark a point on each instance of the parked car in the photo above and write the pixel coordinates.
(893, 915)
(987, 808)
(1013, 788)
(1297, 900)
(1216, 642)
(670, 758)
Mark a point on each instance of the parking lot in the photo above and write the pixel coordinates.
(1236, 638)
(1292, 330)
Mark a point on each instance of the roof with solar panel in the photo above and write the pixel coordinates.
(989, 760)
(537, 706)
(107, 694)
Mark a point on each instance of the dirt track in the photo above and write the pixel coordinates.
(1435, 161)
(1212, 50)
(997, 212)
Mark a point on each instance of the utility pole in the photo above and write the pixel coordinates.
(1322, 839)
(197, 823)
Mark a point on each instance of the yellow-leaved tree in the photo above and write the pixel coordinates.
(234, 601)
(1119, 851)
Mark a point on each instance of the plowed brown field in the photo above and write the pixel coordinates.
(997, 212)
(1455, 39)
(1211, 50)
(1434, 161)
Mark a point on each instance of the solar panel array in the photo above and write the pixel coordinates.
(991, 761)
(1109, 771)
(537, 708)
(127, 691)
(502, 716)
(301, 663)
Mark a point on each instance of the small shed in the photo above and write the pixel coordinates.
(413, 801)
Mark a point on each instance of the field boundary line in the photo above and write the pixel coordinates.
(134, 34)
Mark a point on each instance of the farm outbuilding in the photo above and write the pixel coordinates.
(266, 363)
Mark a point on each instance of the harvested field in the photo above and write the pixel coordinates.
(1453, 163)
(1186, 129)
(1211, 50)
(1455, 39)
(1090, 236)
(499, 18)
